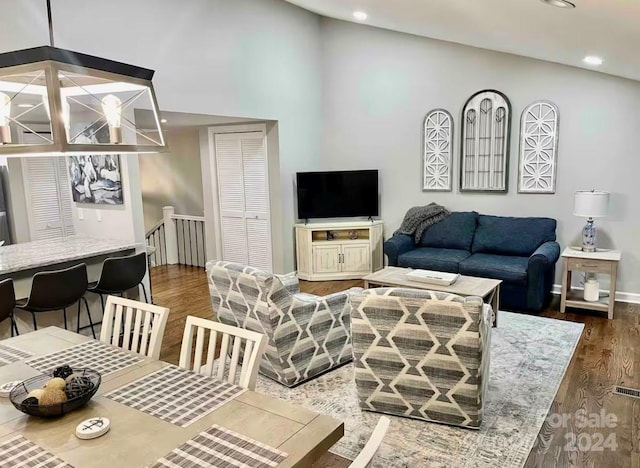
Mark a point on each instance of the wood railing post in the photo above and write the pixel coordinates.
(170, 234)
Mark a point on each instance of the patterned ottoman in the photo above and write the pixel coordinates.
(421, 354)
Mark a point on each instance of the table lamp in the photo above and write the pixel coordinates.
(590, 204)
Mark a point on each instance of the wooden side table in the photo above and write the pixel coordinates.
(601, 261)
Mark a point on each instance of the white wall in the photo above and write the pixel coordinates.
(115, 221)
(173, 178)
(251, 58)
(364, 92)
(378, 85)
(106, 221)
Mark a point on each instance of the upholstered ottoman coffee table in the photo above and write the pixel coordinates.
(486, 288)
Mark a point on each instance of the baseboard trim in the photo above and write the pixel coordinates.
(621, 296)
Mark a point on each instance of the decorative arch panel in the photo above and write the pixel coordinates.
(537, 168)
(437, 153)
(486, 130)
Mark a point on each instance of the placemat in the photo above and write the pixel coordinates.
(19, 452)
(176, 395)
(9, 354)
(220, 447)
(94, 355)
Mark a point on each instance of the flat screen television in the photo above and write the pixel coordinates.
(337, 194)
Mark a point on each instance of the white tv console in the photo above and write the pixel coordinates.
(351, 251)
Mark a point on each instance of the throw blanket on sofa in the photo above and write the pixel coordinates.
(419, 218)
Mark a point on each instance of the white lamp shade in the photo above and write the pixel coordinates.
(591, 204)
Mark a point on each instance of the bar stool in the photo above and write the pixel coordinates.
(55, 290)
(8, 303)
(119, 274)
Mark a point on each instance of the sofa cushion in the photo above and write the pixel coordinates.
(502, 267)
(427, 258)
(512, 236)
(453, 232)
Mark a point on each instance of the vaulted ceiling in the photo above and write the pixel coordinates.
(606, 28)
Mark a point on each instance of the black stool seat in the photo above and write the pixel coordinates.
(120, 274)
(8, 303)
(56, 290)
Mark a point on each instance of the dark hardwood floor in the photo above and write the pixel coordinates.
(184, 290)
(607, 355)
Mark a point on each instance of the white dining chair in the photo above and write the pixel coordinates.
(134, 326)
(231, 341)
(364, 459)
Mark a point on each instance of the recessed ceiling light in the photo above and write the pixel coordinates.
(360, 15)
(559, 3)
(593, 60)
(163, 120)
(25, 105)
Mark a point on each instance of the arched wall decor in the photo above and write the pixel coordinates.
(539, 128)
(484, 152)
(437, 155)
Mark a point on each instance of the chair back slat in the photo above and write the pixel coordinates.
(136, 342)
(197, 360)
(146, 328)
(123, 319)
(127, 326)
(245, 360)
(187, 346)
(224, 348)
(235, 357)
(117, 326)
(211, 353)
(236, 345)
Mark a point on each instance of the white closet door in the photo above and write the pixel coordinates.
(48, 197)
(243, 194)
(259, 244)
(231, 196)
(234, 240)
(256, 191)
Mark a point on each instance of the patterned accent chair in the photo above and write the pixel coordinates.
(307, 335)
(421, 354)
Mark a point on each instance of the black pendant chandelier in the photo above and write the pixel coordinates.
(58, 102)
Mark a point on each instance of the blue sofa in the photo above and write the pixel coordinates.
(522, 252)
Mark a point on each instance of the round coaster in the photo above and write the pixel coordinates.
(5, 389)
(92, 428)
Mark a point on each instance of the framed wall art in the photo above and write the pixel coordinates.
(539, 127)
(96, 179)
(437, 155)
(484, 153)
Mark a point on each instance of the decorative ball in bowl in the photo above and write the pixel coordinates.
(50, 396)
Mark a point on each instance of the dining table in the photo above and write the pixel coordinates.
(137, 438)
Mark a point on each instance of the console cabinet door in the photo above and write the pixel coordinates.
(356, 257)
(326, 258)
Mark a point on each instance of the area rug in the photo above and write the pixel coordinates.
(529, 356)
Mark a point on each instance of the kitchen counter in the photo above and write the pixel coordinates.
(43, 253)
(21, 262)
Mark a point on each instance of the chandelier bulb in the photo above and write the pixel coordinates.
(112, 108)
